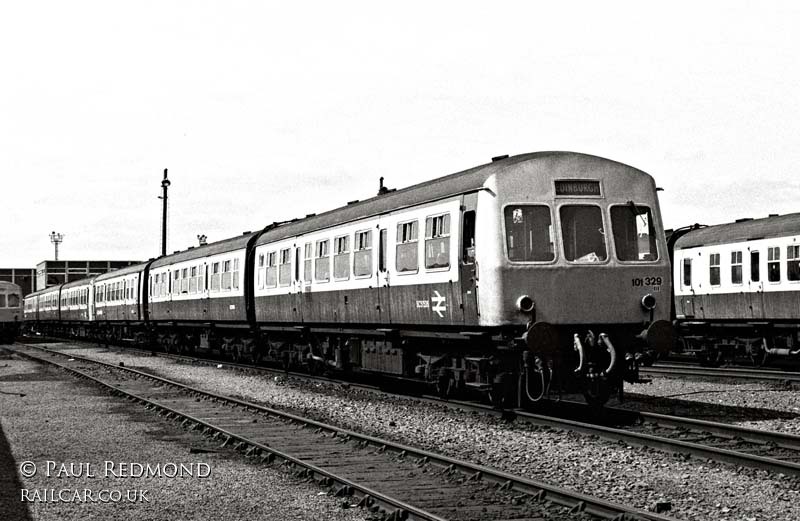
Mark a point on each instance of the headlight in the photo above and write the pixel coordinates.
(525, 304)
(648, 302)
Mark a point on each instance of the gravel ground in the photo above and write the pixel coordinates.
(759, 405)
(630, 475)
(64, 421)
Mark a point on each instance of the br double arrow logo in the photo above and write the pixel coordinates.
(439, 304)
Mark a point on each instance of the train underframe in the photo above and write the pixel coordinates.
(758, 344)
(513, 367)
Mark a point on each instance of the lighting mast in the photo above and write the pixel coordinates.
(56, 239)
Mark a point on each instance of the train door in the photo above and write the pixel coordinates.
(756, 293)
(687, 301)
(384, 289)
(298, 285)
(468, 265)
(90, 302)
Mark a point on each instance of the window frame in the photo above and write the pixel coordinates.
(271, 268)
(555, 237)
(559, 236)
(341, 248)
(795, 250)
(446, 218)
(363, 250)
(308, 262)
(712, 267)
(737, 258)
(757, 265)
(687, 261)
(287, 253)
(320, 257)
(398, 244)
(771, 251)
(651, 224)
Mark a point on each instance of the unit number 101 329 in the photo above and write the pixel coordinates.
(654, 282)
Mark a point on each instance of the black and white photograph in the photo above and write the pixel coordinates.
(420, 261)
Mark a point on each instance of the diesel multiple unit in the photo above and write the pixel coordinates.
(10, 311)
(737, 288)
(539, 271)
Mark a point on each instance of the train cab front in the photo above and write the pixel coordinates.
(586, 271)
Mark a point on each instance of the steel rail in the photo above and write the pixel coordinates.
(393, 508)
(729, 373)
(671, 445)
(575, 501)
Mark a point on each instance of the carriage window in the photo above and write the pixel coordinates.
(583, 233)
(285, 269)
(185, 280)
(362, 256)
(713, 269)
(529, 233)
(437, 241)
(235, 273)
(193, 280)
(215, 276)
(309, 261)
(322, 265)
(634, 234)
(468, 237)
(774, 264)
(261, 271)
(687, 272)
(407, 253)
(341, 258)
(272, 269)
(736, 267)
(297, 264)
(383, 246)
(793, 262)
(2, 300)
(226, 275)
(755, 274)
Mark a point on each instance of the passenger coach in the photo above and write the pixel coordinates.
(737, 288)
(536, 272)
(11, 312)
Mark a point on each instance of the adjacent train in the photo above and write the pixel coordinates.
(534, 273)
(737, 289)
(10, 311)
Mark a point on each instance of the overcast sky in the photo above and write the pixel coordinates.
(265, 111)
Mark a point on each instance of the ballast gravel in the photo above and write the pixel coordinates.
(66, 422)
(641, 477)
(758, 405)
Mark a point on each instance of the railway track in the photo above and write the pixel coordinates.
(395, 481)
(723, 442)
(735, 373)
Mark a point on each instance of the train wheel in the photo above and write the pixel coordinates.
(596, 391)
(444, 384)
(758, 354)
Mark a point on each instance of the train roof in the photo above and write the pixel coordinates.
(79, 282)
(451, 185)
(223, 246)
(6, 285)
(136, 268)
(48, 289)
(745, 230)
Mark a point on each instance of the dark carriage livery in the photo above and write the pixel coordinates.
(11, 311)
(540, 268)
(737, 289)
